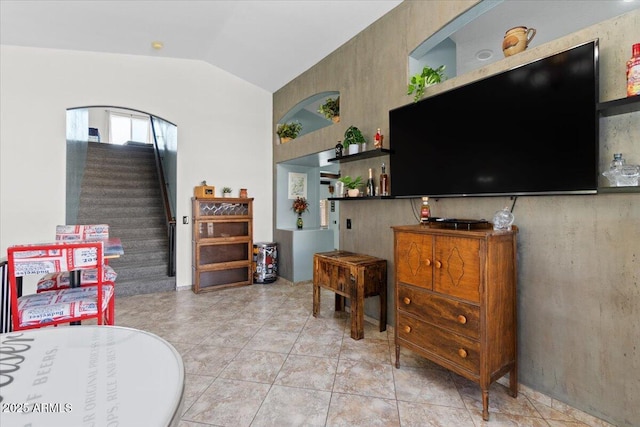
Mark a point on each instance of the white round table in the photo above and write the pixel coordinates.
(89, 376)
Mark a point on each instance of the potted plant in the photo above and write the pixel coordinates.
(352, 139)
(427, 77)
(351, 185)
(226, 191)
(288, 131)
(331, 109)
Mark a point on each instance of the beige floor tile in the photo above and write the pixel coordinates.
(254, 365)
(312, 372)
(365, 379)
(420, 414)
(348, 410)
(228, 403)
(431, 386)
(289, 406)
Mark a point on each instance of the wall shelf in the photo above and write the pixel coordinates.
(378, 152)
(612, 190)
(615, 107)
(619, 106)
(362, 198)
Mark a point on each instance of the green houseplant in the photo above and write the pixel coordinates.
(226, 191)
(353, 137)
(351, 184)
(427, 77)
(288, 131)
(331, 109)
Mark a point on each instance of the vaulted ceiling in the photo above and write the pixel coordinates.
(267, 43)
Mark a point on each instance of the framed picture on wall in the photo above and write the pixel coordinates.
(297, 185)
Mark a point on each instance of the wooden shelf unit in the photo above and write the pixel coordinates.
(222, 243)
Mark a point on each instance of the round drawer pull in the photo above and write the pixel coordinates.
(407, 329)
(406, 300)
(428, 262)
(462, 319)
(462, 353)
(438, 264)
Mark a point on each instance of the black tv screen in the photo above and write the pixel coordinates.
(529, 130)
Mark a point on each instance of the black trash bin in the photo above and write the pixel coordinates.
(265, 262)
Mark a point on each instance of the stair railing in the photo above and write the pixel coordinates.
(169, 216)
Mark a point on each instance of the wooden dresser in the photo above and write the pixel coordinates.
(455, 293)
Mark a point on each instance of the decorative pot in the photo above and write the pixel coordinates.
(299, 222)
(335, 119)
(517, 39)
(353, 148)
(243, 193)
(353, 192)
(226, 194)
(363, 147)
(284, 140)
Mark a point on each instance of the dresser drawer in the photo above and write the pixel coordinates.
(450, 314)
(457, 349)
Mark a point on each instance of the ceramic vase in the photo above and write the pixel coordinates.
(517, 39)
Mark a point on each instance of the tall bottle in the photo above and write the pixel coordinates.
(384, 182)
(378, 139)
(425, 211)
(371, 186)
(633, 71)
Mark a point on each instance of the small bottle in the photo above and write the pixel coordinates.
(371, 186)
(425, 211)
(378, 139)
(384, 182)
(633, 71)
(615, 169)
(617, 161)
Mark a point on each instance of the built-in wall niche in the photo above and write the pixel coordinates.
(306, 113)
(474, 39)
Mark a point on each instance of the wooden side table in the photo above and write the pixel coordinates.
(353, 276)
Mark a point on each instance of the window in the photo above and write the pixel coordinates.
(129, 127)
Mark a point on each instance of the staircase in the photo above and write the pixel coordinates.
(120, 187)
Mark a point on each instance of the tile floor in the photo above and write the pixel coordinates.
(255, 356)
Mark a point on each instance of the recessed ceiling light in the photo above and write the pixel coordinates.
(484, 54)
(157, 45)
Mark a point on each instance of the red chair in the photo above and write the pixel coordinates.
(89, 301)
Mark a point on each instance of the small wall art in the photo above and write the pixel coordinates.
(297, 185)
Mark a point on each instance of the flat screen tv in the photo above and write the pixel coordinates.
(531, 130)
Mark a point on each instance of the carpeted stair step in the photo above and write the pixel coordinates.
(144, 285)
(135, 271)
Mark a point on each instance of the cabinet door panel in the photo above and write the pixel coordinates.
(414, 256)
(210, 229)
(457, 267)
(445, 312)
(213, 254)
(223, 277)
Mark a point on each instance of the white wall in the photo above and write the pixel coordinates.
(224, 133)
